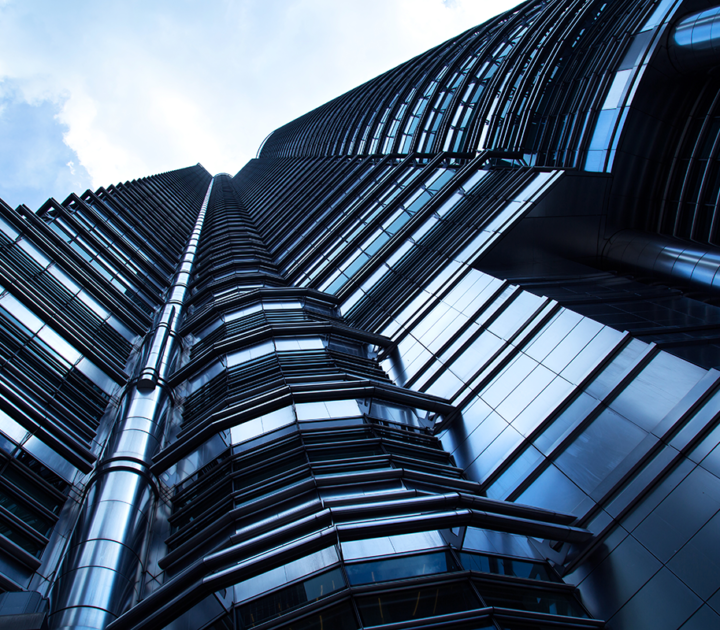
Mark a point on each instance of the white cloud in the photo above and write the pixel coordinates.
(34, 160)
(149, 87)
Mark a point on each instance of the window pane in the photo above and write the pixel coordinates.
(506, 566)
(416, 603)
(338, 618)
(399, 568)
(290, 598)
(531, 599)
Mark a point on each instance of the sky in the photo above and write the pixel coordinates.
(96, 92)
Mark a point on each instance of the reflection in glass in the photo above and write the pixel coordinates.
(507, 566)
(535, 600)
(290, 598)
(401, 568)
(338, 618)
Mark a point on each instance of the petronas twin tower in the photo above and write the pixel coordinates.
(443, 356)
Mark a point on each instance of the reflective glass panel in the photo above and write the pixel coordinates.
(400, 568)
(530, 599)
(290, 598)
(416, 603)
(506, 566)
(338, 618)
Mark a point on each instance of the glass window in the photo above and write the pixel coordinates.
(659, 14)
(617, 89)
(336, 618)
(31, 486)
(43, 453)
(498, 543)
(264, 424)
(33, 547)
(253, 352)
(287, 599)
(401, 568)
(507, 566)
(530, 599)
(416, 603)
(603, 129)
(96, 375)
(8, 230)
(34, 253)
(57, 343)
(12, 429)
(282, 575)
(23, 316)
(64, 279)
(396, 413)
(30, 517)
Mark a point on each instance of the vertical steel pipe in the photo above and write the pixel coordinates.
(99, 575)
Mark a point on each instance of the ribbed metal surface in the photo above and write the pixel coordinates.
(99, 577)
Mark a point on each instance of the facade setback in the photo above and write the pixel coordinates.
(444, 355)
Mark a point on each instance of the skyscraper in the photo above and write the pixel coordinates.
(443, 356)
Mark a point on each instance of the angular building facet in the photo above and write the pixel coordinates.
(444, 355)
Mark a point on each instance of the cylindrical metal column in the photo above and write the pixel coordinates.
(98, 580)
(694, 42)
(670, 259)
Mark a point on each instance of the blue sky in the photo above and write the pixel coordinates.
(93, 92)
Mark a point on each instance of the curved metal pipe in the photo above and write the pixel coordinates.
(149, 375)
(99, 575)
(671, 259)
(694, 43)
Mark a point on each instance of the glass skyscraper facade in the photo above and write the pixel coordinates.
(444, 355)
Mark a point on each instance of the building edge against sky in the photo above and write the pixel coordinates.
(444, 355)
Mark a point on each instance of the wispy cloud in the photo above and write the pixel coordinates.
(35, 161)
(135, 88)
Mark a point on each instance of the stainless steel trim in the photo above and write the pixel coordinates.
(98, 577)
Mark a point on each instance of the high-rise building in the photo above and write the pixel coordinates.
(443, 356)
